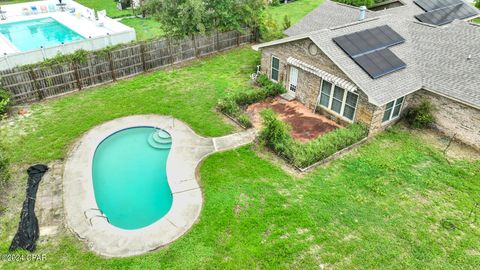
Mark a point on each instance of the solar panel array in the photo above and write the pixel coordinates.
(369, 49)
(440, 12)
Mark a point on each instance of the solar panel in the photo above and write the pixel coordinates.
(447, 14)
(429, 5)
(379, 63)
(368, 40)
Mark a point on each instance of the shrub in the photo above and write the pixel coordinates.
(286, 22)
(232, 105)
(4, 101)
(269, 28)
(275, 3)
(420, 116)
(477, 4)
(275, 135)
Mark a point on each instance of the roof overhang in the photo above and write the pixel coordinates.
(323, 74)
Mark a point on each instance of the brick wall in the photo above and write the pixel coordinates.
(452, 117)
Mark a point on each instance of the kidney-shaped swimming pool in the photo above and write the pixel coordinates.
(129, 177)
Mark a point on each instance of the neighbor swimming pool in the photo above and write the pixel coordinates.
(32, 34)
(129, 177)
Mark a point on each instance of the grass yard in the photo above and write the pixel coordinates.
(109, 5)
(395, 203)
(145, 28)
(295, 10)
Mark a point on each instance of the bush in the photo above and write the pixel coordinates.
(477, 4)
(275, 134)
(269, 28)
(286, 22)
(420, 116)
(232, 105)
(4, 101)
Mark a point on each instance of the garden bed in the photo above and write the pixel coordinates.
(275, 135)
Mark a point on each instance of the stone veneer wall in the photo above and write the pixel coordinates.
(309, 85)
(452, 117)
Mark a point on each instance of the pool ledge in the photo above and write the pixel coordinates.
(188, 150)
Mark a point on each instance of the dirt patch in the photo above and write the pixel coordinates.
(305, 124)
(456, 149)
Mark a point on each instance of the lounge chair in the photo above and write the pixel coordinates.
(52, 8)
(43, 9)
(25, 11)
(34, 9)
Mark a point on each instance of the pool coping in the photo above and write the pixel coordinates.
(187, 151)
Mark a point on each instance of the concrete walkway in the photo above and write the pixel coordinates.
(187, 151)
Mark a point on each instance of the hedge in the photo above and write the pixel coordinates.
(232, 105)
(275, 135)
(4, 101)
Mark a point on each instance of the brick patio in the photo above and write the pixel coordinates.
(305, 124)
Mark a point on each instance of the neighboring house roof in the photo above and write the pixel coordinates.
(436, 57)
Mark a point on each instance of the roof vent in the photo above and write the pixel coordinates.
(469, 57)
(363, 11)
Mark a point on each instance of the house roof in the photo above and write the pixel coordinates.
(328, 14)
(331, 14)
(436, 57)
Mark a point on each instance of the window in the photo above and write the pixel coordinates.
(337, 99)
(341, 102)
(392, 110)
(275, 68)
(325, 95)
(350, 105)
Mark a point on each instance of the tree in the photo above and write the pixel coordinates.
(178, 17)
(185, 17)
(477, 3)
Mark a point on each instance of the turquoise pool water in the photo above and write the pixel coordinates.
(30, 35)
(129, 177)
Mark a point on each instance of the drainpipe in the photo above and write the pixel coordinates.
(363, 11)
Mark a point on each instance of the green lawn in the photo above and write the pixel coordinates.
(109, 5)
(395, 203)
(477, 20)
(295, 10)
(145, 28)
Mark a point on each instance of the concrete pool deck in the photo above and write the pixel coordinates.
(187, 151)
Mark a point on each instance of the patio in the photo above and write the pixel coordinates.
(305, 124)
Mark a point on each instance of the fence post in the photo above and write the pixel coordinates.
(217, 41)
(109, 54)
(142, 56)
(35, 86)
(169, 40)
(194, 45)
(6, 60)
(77, 75)
(238, 38)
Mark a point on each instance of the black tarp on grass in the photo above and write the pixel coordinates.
(28, 232)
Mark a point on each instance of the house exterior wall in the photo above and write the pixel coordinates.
(308, 86)
(299, 50)
(452, 117)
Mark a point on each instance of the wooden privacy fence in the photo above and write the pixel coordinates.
(37, 83)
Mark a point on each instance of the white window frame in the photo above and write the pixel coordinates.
(271, 68)
(344, 100)
(391, 118)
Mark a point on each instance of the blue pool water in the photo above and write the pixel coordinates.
(129, 177)
(30, 35)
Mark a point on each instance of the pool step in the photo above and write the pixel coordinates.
(160, 140)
